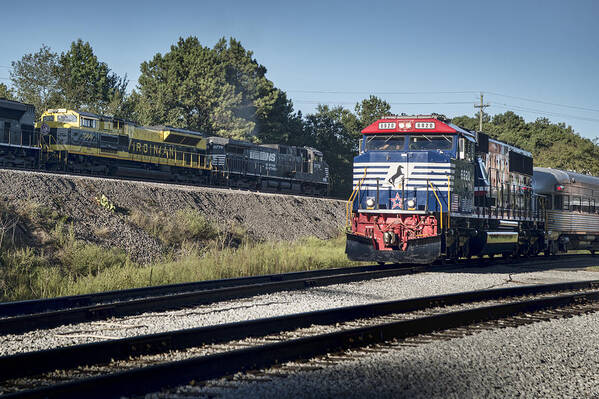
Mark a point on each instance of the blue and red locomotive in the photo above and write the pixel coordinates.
(426, 189)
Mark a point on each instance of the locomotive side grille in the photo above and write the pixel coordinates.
(218, 160)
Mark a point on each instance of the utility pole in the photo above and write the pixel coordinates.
(480, 114)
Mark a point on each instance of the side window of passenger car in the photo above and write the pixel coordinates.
(575, 204)
(559, 202)
(586, 205)
(562, 202)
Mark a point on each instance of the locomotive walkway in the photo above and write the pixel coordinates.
(130, 366)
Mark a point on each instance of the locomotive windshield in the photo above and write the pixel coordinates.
(384, 143)
(431, 142)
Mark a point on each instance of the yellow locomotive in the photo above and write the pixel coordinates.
(90, 143)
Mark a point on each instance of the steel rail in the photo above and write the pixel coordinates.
(32, 306)
(153, 378)
(45, 320)
(16, 308)
(32, 363)
(136, 300)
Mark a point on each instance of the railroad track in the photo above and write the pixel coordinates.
(18, 317)
(149, 363)
(22, 316)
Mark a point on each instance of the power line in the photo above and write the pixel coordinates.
(392, 103)
(543, 102)
(382, 92)
(500, 105)
(443, 92)
(542, 112)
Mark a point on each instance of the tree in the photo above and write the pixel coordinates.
(87, 84)
(466, 122)
(553, 145)
(6, 92)
(326, 131)
(34, 78)
(221, 91)
(181, 88)
(371, 109)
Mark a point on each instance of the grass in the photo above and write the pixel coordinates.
(185, 225)
(28, 273)
(78, 268)
(196, 251)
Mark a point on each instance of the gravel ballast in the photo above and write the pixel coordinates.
(553, 359)
(317, 298)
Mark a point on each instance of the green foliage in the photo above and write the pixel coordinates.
(105, 203)
(370, 110)
(85, 268)
(326, 131)
(86, 83)
(553, 145)
(25, 274)
(56, 261)
(6, 92)
(221, 91)
(79, 259)
(9, 222)
(20, 274)
(187, 225)
(75, 79)
(35, 80)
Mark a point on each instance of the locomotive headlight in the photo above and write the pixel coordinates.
(411, 203)
(370, 202)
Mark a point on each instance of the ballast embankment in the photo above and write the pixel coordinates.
(84, 203)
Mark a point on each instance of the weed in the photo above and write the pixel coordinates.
(19, 274)
(173, 230)
(8, 226)
(84, 268)
(103, 232)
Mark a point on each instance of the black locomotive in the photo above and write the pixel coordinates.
(83, 142)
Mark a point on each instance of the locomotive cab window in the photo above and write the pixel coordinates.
(384, 143)
(420, 143)
(86, 122)
(66, 118)
(48, 118)
(232, 149)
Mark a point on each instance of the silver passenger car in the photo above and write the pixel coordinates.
(572, 202)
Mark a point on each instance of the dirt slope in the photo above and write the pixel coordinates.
(264, 216)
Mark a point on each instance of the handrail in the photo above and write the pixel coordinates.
(448, 203)
(352, 198)
(439, 201)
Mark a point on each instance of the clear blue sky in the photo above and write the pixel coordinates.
(339, 52)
